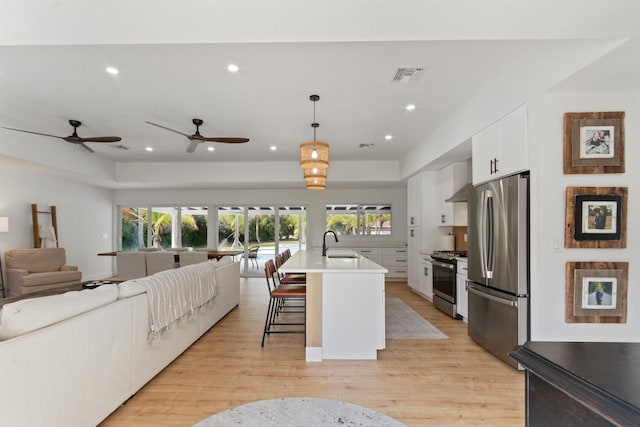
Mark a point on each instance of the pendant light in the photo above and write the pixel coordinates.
(314, 156)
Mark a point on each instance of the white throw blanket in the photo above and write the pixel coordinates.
(47, 236)
(176, 295)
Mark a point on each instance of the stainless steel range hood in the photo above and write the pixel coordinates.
(462, 195)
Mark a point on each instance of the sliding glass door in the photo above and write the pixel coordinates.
(261, 232)
(292, 233)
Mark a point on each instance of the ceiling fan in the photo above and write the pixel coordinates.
(196, 138)
(74, 138)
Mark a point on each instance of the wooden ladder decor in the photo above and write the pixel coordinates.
(36, 228)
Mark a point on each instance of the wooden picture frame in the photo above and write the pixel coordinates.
(596, 217)
(596, 292)
(594, 142)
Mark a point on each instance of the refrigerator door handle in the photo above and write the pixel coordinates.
(493, 298)
(490, 235)
(483, 234)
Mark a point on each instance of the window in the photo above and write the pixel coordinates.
(194, 226)
(359, 219)
(134, 228)
(164, 226)
(376, 220)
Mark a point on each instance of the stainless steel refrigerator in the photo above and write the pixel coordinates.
(498, 275)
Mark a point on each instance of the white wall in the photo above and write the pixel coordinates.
(315, 201)
(548, 185)
(85, 212)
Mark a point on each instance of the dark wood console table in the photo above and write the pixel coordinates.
(211, 254)
(581, 384)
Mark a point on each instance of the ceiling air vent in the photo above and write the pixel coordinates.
(367, 145)
(407, 75)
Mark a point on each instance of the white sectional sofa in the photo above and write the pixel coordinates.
(72, 359)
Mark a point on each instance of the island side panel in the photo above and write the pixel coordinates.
(353, 315)
(314, 318)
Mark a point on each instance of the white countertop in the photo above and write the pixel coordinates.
(313, 262)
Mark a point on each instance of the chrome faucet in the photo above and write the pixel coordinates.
(324, 241)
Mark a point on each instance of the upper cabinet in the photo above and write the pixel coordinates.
(449, 180)
(414, 189)
(501, 149)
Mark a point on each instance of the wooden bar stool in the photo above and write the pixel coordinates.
(290, 278)
(280, 301)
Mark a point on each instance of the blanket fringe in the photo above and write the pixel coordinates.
(178, 296)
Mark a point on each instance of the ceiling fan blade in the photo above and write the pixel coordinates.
(227, 140)
(35, 133)
(101, 139)
(192, 147)
(169, 129)
(86, 147)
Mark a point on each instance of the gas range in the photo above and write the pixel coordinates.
(444, 274)
(448, 255)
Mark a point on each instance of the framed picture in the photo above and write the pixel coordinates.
(596, 292)
(596, 217)
(594, 142)
(599, 293)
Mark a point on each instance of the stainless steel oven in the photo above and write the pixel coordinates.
(444, 282)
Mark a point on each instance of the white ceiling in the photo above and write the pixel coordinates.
(172, 66)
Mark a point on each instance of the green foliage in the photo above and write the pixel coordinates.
(134, 230)
(195, 236)
(289, 227)
(375, 223)
(343, 224)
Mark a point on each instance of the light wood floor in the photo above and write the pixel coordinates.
(418, 382)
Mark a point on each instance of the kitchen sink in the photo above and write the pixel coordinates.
(342, 256)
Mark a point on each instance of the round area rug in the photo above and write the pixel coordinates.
(299, 411)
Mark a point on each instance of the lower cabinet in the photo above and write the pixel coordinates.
(374, 254)
(393, 259)
(462, 293)
(427, 277)
(424, 286)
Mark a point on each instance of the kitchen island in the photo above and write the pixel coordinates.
(345, 304)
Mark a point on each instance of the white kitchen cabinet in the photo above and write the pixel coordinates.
(449, 180)
(444, 190)
(413, 257)
(502, 148)
(396, 261)
(462, 303)
(414, 189)
(374, 254)
(393, 259)
(426, 285)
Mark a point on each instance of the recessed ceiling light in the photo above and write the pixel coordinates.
(112, 70)
(210, 148)
(410, 107)
(149, 148)
(388, 137)
(233, 68)
(273, 148)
